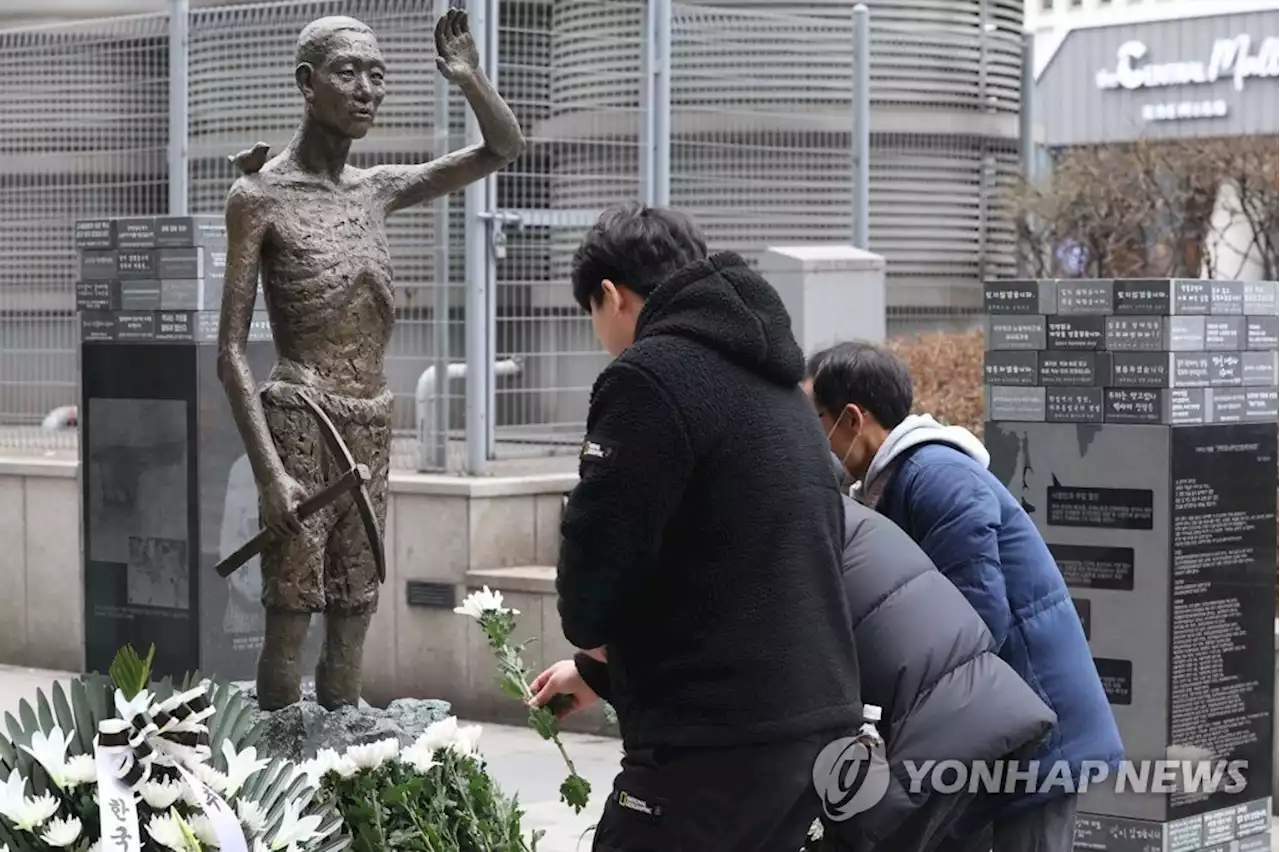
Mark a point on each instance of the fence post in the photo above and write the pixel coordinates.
(1027, 130)
(655, 105)
(489, 61)
(861, 126)
(179, 23)
(477, 275)
(438, 453)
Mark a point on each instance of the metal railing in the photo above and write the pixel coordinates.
(746, 114)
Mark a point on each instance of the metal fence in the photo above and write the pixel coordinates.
(739, 112)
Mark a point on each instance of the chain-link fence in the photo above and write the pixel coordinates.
(756, 144)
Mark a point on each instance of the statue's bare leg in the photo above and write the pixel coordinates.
(351, 581)
(292, 569)
(280, 664)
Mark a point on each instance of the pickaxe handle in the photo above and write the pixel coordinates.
(349, 480)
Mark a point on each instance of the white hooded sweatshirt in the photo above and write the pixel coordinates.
(915, 430)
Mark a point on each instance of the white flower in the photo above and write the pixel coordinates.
(815, 830)
(203, 829)
(439, 735)
(13, 790)
(29, 814)
(420, 758)
(171, 832)
(477, 604)
(295, 828)
(251, 816)
(81, 769)
(190, 797)
(50, 750)
(212, 778)
(160, 795)
(327, 760)
(62, 832)
(240, 766)
(372, 755)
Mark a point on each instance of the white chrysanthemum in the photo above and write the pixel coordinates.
(240, 766)
(171, 832)
(439, 735)
(50, 751)
(372, 755)
(81, 769)
(477, 604)
(160, 795)
(467, 741)
(28, 813)
(420, 758)
(815, 830)
(251, 815)
(62, 832)
(212, 778)
(13, 790)
(325, 761)
(203, 829)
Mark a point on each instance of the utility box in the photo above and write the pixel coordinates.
(832, 292)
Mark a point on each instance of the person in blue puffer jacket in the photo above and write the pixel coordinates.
(932, 480)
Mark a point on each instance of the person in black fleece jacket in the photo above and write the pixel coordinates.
(701, 549)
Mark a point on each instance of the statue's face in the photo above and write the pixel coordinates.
(347, 89)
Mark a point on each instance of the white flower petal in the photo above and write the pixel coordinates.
(251, 815)
(160, 795)
(81, 769)
(62, 832)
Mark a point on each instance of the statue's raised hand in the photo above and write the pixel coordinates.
(456, 54)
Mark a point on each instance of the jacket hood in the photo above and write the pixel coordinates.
(919, 429)
(721, 303)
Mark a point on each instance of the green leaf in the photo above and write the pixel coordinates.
(28, 719)
(574, 792)
(81, 708)
(44, 714)
(66, 721)
(129, 673)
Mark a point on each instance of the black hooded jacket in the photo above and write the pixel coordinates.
(702, 544)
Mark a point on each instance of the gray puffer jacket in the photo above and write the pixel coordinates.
(927, 659)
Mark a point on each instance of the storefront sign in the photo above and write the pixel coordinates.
(1184, 109)
(1229, 59)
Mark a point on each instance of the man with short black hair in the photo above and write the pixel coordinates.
(701, 549)
(932, 480)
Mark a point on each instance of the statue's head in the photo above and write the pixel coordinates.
(341, 74)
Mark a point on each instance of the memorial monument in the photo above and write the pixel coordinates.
(1137, 422)
(318, 430)
(162, 464)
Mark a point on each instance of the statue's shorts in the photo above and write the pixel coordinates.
(330, 566)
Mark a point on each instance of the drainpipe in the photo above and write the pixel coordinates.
(433, 443)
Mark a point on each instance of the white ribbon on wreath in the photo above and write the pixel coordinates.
(151, 738)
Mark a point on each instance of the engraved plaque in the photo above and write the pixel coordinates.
(136, 263)
(1262, 403)
(1135, 334)
(1133, 405)
(97, 325)
(1085, 297)
(1188, 406)
(1142, 297)
(96, 296)
(1229, 405)
(1225, 333)
(1226, 297)
(1225, 369)
(1071, 369)
(1011, 368)
(1259, 368)
(98, 265)
(1189, 369)
(1020, 296)
(1073, 405)
(1191, 297)
(1016, 332)
(175, 325)
(138, 325)
(139, 295)
(136, 233)
(1076, 333)
(1186, 334)
(95, 234)
(1262, 333)
(1139, 369)
(1261, 297)
(1015, 403)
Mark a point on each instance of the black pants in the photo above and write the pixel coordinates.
(744, 799)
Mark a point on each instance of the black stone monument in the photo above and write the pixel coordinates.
(1136, 421)
(167, 487)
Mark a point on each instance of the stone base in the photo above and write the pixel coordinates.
(300, 730)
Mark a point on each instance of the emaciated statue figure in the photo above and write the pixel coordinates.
(316, 229)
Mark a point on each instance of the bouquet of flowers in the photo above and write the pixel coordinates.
(117, 765)
(433, 796)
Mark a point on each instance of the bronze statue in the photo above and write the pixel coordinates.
(315, 227)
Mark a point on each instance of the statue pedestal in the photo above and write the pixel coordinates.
(166, 484)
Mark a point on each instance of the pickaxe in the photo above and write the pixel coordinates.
(354, 480)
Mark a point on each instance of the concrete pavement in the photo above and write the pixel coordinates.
(520, 762)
